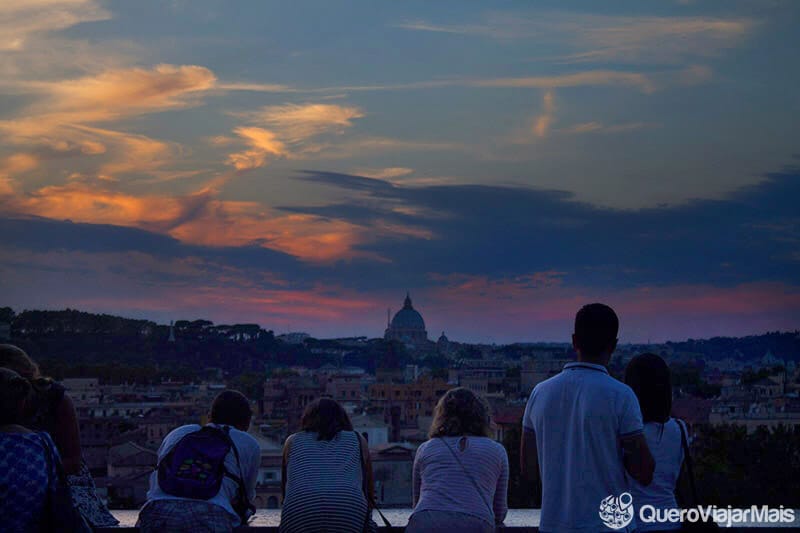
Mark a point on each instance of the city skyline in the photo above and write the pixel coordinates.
(303, 166)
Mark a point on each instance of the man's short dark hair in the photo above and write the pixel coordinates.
(596, 328)
(231, 408)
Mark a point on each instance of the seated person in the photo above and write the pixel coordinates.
(206, 475)
(27, 461)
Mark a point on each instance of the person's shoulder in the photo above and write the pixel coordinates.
(426, 447)
(549, 384)
(243, 438)
(493, 446)
(180, 431)
(617, 387)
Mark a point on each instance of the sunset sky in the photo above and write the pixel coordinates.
(303, 164)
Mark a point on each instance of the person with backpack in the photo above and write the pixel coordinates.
(206, 475)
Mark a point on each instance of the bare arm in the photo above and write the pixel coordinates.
(286, 447)
(67, 436)
(366, 460)
(500, 504)
(529, 456)
(416, 479)
(637, 458)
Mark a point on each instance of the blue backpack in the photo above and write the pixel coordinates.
(195, 467)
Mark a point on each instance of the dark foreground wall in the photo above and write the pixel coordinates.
(273, 529)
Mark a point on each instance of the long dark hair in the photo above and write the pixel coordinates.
(326, 418)
(461, 412)
(649, 377)
(14, 391)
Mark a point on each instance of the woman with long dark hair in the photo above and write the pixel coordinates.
(649, 377)
(460, 475)
(35, 496)
(50, 409)
(327, 474)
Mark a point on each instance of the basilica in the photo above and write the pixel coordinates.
(407, 326)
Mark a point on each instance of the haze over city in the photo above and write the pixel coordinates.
(302, 165)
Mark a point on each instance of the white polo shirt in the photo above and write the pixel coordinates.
(579, 417)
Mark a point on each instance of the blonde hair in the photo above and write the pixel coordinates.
(17, 360)
(461, 412)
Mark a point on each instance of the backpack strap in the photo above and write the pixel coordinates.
(244, 505)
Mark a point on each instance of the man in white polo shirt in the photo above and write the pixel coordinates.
(582, 436)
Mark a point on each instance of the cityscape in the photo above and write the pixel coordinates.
(131, 385)
(416, 218)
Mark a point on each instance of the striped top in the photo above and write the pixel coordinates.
(440, 484)
(324, 485)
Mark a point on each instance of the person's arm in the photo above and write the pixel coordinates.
(638, 460)
(636, 456)
(251, 474)
(500, 504)
(366, 460)
(286, 447)
(416, 477)
(67, 436)
(529, 455)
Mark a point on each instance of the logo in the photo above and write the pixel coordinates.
(616, 512)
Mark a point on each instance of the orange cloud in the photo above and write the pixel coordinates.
(290, 127)
(262, 143)
(202, 218)
(64, 117)
(296, 123)
(21, 19)
(122, 93)
(541, 124)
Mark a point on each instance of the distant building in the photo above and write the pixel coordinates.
(129, 469)
(407, 326)
(296, 337)
(392, 465)
(83, 390)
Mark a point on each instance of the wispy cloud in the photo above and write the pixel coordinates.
(261, 143)
(541, 124)
(285, 131)
(20, 20)
(606, 38)
(599, 127)
(65, 116)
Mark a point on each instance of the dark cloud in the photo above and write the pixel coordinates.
(497, 232)
(506, 231)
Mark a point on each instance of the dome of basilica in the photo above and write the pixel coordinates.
(408, 317)
(407, 326)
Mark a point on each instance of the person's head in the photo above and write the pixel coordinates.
(649, 377)
(595, 337)
(231, 408)
(14, 392)
(461, 412)
(326, 418)
(18, 361)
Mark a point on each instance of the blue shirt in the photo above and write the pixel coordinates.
(579, 417)
(26, 476)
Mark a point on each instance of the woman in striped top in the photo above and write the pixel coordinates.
(460, 475)
(327, 473)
